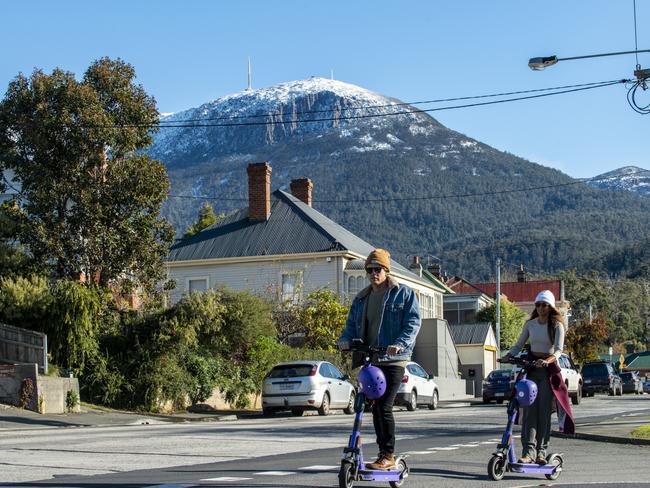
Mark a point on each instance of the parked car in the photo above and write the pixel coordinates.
(646, 385)
(632, 383)
(417, 388)
(572, 378)
(600, 377)
(307, 385)
(570, 374)
(497, 386)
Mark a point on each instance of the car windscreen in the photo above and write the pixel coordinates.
(500, 374)
(594, 370)
(290, 371)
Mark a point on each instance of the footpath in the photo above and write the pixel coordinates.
(612, 428)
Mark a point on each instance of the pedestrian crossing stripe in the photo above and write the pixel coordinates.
(442, 448)
(318, 467)
(419, 452)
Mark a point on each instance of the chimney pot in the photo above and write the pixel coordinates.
(301, 189)
(259, 191)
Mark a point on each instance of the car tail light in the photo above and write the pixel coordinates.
(314, 368)
(405, 378)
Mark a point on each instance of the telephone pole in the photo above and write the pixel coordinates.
(498, 311)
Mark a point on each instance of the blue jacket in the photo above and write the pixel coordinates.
(399, 324)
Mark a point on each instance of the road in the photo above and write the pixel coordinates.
(448, 447)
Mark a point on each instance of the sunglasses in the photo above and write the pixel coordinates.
(373, 270)
(541, 304)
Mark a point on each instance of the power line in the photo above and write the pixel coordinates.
(352, 117)
(420, 198)
(400, 104)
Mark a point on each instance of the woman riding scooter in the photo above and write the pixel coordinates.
(545, 331)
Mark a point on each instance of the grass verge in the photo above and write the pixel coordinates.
(642, 432)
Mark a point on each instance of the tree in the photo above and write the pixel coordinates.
(90, 197)
(324, 319)
(512, 321)
(585, 338)
(206, 218)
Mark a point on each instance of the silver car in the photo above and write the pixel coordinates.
(307, 385)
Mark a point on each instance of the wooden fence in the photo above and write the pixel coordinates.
(23, 346)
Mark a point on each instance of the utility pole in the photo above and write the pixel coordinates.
(498, 311)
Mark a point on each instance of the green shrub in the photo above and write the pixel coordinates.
(71, 400)
(26, 392)
(205, 371)
(25, 301)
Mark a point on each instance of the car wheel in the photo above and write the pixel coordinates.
(267, 412)
(413, 401)
(575, 399)
(486, 399)
(325, 405)
(297, 412)
(350, 408)
(434, 400)
(500, 401)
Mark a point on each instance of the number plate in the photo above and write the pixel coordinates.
(499, 394)
(287, 386)
(587, 381)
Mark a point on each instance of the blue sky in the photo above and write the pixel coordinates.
(187, 53)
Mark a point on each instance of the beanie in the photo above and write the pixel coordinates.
(547, 297)
(380, 257)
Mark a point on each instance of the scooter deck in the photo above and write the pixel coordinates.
(534, 468)
(379, 475)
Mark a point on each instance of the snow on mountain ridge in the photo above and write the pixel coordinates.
(627, 178)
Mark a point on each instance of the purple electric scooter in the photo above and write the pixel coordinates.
(373, 386)
(505, 459)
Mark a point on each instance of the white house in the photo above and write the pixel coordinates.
(279, 245)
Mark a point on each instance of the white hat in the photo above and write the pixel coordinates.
(546, 296)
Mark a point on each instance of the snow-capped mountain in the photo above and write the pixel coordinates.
(627, 178)
(392, 174)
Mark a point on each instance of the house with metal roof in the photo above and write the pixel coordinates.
(282, 247)
(477, 351)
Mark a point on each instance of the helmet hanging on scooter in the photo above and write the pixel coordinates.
(373, 382)
(526, 392)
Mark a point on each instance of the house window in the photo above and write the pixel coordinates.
(292, 287)
(197, 284)
(355, 285)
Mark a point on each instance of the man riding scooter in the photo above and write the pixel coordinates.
(385, 314)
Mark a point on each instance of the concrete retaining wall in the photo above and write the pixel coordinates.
(454, 389)
(50, 392)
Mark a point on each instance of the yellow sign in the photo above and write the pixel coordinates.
(621, 362)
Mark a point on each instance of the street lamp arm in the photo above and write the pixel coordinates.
(540, 63)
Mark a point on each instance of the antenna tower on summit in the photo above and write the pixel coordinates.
(250, 77)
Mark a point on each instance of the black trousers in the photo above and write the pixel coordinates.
(382, 409)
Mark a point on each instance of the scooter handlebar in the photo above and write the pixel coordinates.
(518, 361)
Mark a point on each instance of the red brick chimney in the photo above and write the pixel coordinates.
(259, 191)
(301, 189)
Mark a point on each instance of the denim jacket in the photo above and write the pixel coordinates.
(399, 324)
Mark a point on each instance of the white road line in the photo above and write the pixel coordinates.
(419, 452)
(275, 473)
(318, 467)
(226, 478)
(464, 445)
(170, 486)
(489, 442)
(442, 448)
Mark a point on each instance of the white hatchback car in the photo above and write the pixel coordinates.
(417, 388)
(307, 385)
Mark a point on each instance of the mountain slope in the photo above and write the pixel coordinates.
(399, 181)
(627, 178)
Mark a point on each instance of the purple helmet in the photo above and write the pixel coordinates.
(526, 391)
(373, 382)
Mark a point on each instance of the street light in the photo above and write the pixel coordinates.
(540, 63)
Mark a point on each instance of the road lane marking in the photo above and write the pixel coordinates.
(170, 486)
(275, 473)
(226, 478)
(318, 467)
(442, 448)
(419, 452)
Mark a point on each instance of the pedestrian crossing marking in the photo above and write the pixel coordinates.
(419, 452)
(318, 467)
(442, 448)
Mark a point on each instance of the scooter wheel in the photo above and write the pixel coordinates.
(346, 475)
(403, 468)
(554, 460)
(496, 468)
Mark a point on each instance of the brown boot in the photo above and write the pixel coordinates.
(385, 461)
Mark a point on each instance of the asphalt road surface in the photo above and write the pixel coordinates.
(447, 447)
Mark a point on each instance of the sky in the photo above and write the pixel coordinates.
(190, 52)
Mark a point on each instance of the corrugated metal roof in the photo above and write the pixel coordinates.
(293, 227)
(524, 291)
(470, 333)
